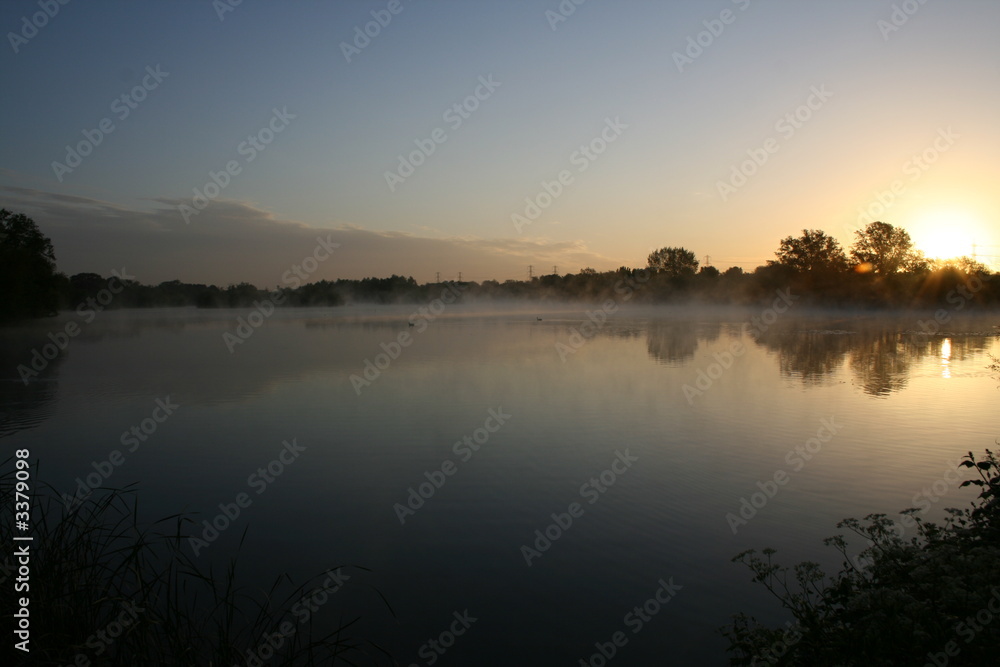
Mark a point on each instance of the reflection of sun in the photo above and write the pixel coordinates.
(946, 358)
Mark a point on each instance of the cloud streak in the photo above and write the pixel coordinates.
(234, 241)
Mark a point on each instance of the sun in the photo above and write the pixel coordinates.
(945, 235)
(945, 243)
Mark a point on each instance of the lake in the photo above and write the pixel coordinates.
(525, 486)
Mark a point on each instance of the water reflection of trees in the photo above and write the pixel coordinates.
(881, 359)
(676, 342)
(808, 356)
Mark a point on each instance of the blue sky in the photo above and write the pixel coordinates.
(892, 94)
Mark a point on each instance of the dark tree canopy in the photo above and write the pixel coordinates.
(674, 262)
(709, 272)
(733, 272)
(28, 282)
(814, 251)
(812, 266)
(886, 249)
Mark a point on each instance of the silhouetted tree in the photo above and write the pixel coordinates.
(83, 285)
(29, 286)
(886, 249)
(814, 251)
(674, 262)
(709, 272)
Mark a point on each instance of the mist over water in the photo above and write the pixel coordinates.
(503, 417)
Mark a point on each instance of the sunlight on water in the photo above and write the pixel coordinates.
(946, 358)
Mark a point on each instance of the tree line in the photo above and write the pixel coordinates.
(881, 269)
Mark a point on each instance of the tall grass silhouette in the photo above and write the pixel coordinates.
(106, 590)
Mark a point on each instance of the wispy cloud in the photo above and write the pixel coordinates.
(232, 241)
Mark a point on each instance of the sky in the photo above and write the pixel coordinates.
(218, 142)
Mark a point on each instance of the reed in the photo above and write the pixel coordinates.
(106, 590)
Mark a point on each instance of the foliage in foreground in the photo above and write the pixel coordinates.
(106, 591)
(933, 599)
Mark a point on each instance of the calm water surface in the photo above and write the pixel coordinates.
(662, 389)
